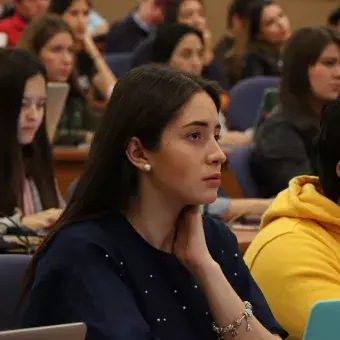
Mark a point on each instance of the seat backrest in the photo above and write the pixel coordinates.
(12, 271)
(143, 53)
(119, 63)
(239, 163)
(323, 322)
(245, 100)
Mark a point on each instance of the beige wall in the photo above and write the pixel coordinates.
(301, 12)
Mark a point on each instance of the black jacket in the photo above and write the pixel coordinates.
(124, 36)
(283, 149)
(262, 59)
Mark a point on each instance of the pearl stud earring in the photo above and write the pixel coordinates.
(147, 167)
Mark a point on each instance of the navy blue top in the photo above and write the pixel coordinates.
(106, 275)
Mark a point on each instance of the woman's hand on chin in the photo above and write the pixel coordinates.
(190, 246)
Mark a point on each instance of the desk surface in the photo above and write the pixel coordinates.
(70, 154)
(244, 236)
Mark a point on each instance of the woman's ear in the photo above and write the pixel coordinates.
(337, 169)
(135, 152)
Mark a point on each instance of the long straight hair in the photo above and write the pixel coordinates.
(17, 161)
(301, 52)
(172, 10)
(60, 6)
(142, 104)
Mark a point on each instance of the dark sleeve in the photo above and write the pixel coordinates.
(113, 44)
(78, 283)
(280, 155)
(254, 66)
(226, 252)
(214, 71)
(143, 54)
(76, 121)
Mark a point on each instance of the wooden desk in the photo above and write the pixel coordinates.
(244, 237)
(68, 164)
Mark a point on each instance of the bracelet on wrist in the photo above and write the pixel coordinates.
(234, 326)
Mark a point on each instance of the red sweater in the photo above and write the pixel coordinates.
(13, 27)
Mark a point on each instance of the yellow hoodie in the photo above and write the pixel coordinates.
(295, 259)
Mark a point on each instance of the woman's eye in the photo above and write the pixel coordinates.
(194, 136)
(217, 137)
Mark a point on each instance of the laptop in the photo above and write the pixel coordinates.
(57, 94)
(323, 322)
(75, 331)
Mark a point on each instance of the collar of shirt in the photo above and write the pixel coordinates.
(142, 24)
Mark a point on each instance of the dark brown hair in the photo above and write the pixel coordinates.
(142, 104)
(33, 160)
(172, 10)
(302, 51)
(60, 6)
(167, 39)
(328, 152)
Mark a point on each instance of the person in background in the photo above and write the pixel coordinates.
(269, 29)
(92, 68)
(233, 60)
(182, 48)
(29, 197)
(334, 19)
(310, 80)
(295, 258)
(24, 12)
(53, 42)
(236, 40)
(124, 36)
(98, 26)
(144, 264)
(257, 52)
(192, 13)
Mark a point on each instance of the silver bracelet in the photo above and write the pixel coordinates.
(233, 327)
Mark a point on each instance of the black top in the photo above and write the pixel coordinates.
(284, 149)
(104, 274)
(124, 36)
(85, 68)
(222, 47)
(262, 59)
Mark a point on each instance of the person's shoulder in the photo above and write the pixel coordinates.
(79, 233)
(120, 27)
(276, 122)
(74, 243)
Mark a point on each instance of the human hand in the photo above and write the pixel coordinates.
(41, 220)
(190, 246)
(90, 47)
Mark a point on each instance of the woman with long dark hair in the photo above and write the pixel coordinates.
(310, 80)
(269, 29)
(182, 47)
(53, 42)
(29, 195)
(191, 13)
(131, 256)
(92, 68)
(258, 46)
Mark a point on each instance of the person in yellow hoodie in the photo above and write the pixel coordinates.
(295, 259)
